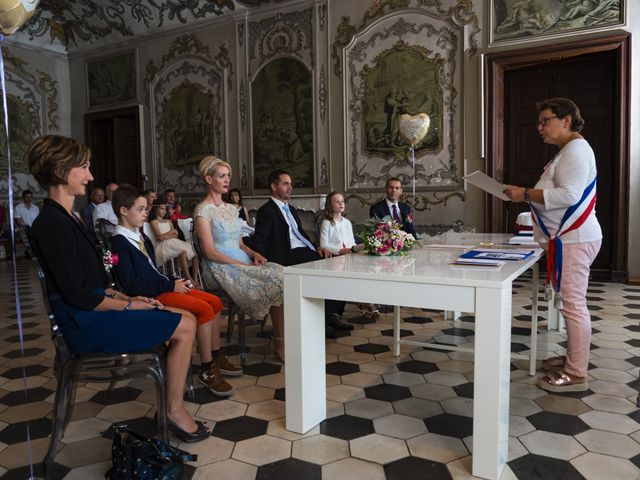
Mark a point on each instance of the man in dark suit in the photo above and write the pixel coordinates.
(280, 238)
(401, 212)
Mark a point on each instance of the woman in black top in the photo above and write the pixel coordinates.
(91, 316)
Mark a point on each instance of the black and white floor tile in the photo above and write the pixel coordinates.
(389, 418)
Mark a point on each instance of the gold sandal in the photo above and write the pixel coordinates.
(554, 364)
(562, 382)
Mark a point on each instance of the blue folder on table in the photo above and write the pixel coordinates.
(492, 254)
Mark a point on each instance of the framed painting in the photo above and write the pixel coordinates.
(513, 21)
(112, 80)
(282, 122)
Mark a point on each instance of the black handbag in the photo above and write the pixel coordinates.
(136, 457)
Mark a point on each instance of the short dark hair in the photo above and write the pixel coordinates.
(148, 191)
(562, 107)
(274, 177)
(392, 179)
(125, 196)
(26, 192)
(52, 157)
(239, 195)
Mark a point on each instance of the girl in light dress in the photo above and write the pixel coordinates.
(169, 246)
(336, 235)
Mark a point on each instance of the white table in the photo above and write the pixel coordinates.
(424, 279)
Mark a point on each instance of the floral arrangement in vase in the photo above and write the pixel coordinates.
(385, 237)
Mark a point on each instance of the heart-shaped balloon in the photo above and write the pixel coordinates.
(14, 13)
(413, 128)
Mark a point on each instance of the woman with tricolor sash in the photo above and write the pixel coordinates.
(565, 225)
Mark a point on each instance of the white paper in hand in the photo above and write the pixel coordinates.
(487, 184)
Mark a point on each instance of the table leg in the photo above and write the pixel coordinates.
(305, 356)
(534, 319)
(396, 331)
(491, 381)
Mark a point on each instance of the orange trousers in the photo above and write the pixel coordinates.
(203, 305)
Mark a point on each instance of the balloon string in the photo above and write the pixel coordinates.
(13, 245)
(413, 161)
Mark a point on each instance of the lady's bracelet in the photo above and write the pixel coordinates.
(526, 195)
(128, 307)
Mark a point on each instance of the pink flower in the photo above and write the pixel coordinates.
(410, 218)
(114, 259)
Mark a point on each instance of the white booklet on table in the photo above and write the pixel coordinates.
(486, 183)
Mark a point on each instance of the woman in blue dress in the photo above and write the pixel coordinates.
(254, 284)
(91, 316)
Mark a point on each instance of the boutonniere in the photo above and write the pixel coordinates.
(109, 260)
(409, 218)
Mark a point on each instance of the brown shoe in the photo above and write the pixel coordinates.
(214, 381)
(223, 364)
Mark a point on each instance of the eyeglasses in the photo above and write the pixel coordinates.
(542, 121)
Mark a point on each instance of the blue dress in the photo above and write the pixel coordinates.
(254, 288)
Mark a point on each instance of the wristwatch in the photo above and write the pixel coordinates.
(526, 195)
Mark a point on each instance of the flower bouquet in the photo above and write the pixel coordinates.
(385, 237)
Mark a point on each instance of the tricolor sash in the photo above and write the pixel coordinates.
(573, 218)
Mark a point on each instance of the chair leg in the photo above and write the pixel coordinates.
(232, 316)
(158, 377)
(64, 391)
(241, 337)
(191, 393)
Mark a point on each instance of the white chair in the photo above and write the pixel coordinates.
(186, 225)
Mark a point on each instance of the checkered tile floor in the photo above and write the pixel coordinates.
(393, 418)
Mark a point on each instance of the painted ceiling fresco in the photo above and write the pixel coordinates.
(63, 25)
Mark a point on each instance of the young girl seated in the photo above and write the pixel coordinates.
(137, 274)
(169, 246)
(336, 235)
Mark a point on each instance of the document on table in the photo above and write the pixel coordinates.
(486, 183)
(509, 255)
(478, 262)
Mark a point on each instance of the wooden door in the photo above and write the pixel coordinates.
(587, 80)
(594, 72)
(114, 139)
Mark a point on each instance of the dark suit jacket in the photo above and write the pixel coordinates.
(381, 209)
(134, 273)
(87, 216)
(73, 266)
(271, 239)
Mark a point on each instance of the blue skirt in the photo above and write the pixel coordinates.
(113, 331)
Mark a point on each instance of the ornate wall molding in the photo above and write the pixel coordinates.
(242, 104)
(285, 34)
(322, 94)
(181, 46)
(188, 65)
(423, 202)
(461, 14)
(436, 46)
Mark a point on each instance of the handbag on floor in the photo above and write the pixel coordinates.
(136, 457)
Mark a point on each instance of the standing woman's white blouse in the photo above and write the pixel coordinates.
(337, 236)
(563, 182)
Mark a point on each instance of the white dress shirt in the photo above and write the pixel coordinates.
(26, 214)
(105, 210)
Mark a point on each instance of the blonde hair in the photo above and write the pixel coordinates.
(209, 163)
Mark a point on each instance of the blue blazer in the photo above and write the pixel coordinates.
(134, 273)
(381, 210)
